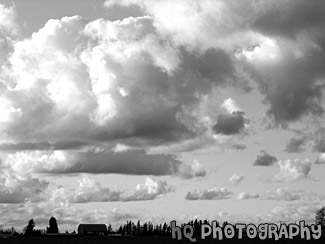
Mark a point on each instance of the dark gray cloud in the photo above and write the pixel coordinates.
(292, 86)
(264, 159)
(154, 121)
(133, 162)
(230, 124)
(239, 147)
(60, 145)
(296, 145)
(288, 18)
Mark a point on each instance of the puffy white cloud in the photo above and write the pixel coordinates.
(235, 179)
(291, 170)
(197, 24)
(216, 193)
(120, 80)
(230, 106)
(89, 190)
(150, 190)
(194, 170)
(246, 195)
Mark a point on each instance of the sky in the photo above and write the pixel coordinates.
(161, 110)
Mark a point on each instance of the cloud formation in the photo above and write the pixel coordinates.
(230, 124)
(264, 159)
(246, 196)
(291, 170)
(150, 190)
(134, 162)
(292, 47)
(283, 194)
(194, 170)
(120, 80)
(19, 187)
(89, 190)
(296, 145)
(216, 193)
(235, 179)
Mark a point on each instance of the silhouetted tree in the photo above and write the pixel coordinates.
(320, 218)
(29, 229)
(109, 228)
(53, 226)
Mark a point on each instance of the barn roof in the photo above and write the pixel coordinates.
(93, 227)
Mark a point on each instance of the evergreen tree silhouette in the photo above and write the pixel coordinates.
(29, 229)
(53, 226)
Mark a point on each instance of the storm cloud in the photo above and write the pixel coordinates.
(133, 162)
(264, 159)
(230, 124)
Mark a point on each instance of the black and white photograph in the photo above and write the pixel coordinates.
(162, 121)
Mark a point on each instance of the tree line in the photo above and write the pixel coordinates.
(135, 229)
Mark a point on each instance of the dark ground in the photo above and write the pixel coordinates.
(142, 240)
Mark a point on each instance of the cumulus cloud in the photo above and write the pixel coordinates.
(283, 194)
(246, 196)
(216, 193)
(150, 190)
(291, 170)
(17, 187)
(264, 159)
(235, 179)
(193, 170)
(293, 90)
(230, 106)
(89, 190)
(296, 145)
(120, 80)
(291, 47)
(139, 79)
